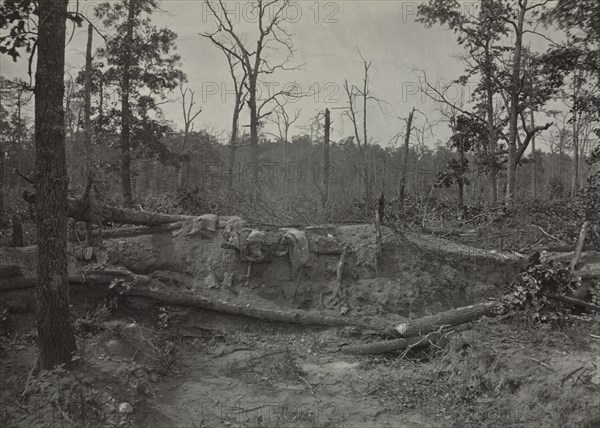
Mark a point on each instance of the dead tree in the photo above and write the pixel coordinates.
(270, 35)
(326, 165)
(361, 95)
(241, 93)
(283, 121)
(189, 116)
(402, 189)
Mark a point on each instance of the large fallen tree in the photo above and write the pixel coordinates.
(132, 285)
(80, 209)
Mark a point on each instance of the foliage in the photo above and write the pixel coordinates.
(71, 395)
(538, 280)
(455, 172)
(153, 71)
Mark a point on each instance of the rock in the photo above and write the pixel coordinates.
(125, 408)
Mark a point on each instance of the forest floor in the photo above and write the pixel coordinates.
(233, 372)
(144, 364)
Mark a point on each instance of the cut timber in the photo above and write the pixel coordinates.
(457, 316)
(79, 210)
(575, 302)
(579, 246)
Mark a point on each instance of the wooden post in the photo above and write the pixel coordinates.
(340, 271)
(579, 246)
(378, 238)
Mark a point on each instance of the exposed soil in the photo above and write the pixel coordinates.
(188, 367)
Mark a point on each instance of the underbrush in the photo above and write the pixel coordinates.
(101, 390)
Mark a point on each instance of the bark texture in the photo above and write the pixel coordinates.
(56, 339)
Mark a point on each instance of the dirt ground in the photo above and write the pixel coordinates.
(234, 372)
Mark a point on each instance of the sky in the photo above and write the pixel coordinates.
(327, 37)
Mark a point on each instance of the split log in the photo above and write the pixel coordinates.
(79, 210)
(457, 316)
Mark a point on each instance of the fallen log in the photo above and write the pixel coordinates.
(452, 317)
(387, 346)
(294, 316)
(22, 283)
(143, 286)
(575, 302)
(79, 210)
(443, 247)
(129, 232)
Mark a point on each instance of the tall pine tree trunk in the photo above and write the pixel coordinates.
(126, 110)
(56, 338)
(87, 107)
(87, 104)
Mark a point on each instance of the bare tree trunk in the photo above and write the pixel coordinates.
(253, 134)
(461, 184)
(515, 88)
(533, 157)
(493, 174)
(56, 339)
(575, 181)
(126, 111)
(405, 160)
(326, 165)
(17, 231)
(232, 148)
(87, 106)
(3, 220)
